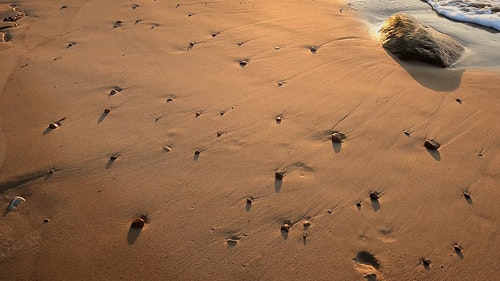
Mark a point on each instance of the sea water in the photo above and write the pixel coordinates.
(474, 23)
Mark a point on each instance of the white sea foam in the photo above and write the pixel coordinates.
(482, 12)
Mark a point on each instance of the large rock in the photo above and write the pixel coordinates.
(409, 39)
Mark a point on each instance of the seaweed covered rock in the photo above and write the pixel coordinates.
(409, 39)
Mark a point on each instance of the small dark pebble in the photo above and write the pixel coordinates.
(358, 204)
(222, 113)
(214, 34)
(426, 262)
(113, 157)
(137, 223)
(329, 211)
(135, 6)
(278, 119)
(71, 44)
(374, 196)
(191, 45)
(279, 174)
(313, 50)
(457, 248)
(337, 138)
(459, 101)
(406, 132)
(63, 7)
(249, 201)
(197, 152)
(138, 21)
(280, 83)
(113, 92)
(285, 227)
(232, 242)
(169, 100)
(46, 220)
(107, 110)
(431, 145)
(467, 195)
(51, 171)
(53, 126)
(117, 24)
(219, 134)
(243, 63)
(197, 114)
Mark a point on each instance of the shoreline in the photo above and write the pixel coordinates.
(232, 165)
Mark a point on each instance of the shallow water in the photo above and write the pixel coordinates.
(482, 43)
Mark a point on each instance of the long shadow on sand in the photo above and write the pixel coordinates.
(435, 154)
(432, 77)
(277, 184)
(132, 235)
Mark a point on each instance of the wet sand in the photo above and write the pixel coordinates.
(167, 111)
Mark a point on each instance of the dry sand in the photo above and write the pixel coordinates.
(65, 61)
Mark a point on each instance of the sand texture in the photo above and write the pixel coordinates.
(212, 122)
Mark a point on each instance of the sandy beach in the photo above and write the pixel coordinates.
(213, 122)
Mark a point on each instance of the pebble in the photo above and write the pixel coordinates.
(167, 148)
(358, 204)
(243, 63)
(467, 195)
(306, 224)
(406, 132)
(249, 201)
(431, 145)
(107, 110)
(197, 152)
(279, 174)
(285, 227)
(46, 220)
(197, 114)
(16, 202)
(374, 196)
(426, 262)
(53, 126)
(313, 50)
(329, 211)
(337, 138)
(457, 248)
(137, 223)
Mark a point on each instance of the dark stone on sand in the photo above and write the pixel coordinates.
(431, 145)
(51, 171)
(467, 195)
(285, 227)
(113, 92)
(107, 110)
(306, 224)
(197, 114)
(313, 50)
(278, 119)
(197, 152)
(279, 174)
(249, 201)
(137, 223)
(46, 220)
(410, 39)
(374, 195)
(243, 63)
(459, 101)
(53, 126)
(337, 138)
(358, 204)
(113, 157)
(169, 100)
(457, 248)
(63, 7)
(222, 113)
(426, 263)
(406, 132)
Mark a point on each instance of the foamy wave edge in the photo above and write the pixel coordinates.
(453, 12)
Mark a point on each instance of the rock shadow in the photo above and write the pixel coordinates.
(375, 204)
(102, 117)
(278, 182)
(132, 235)
(435, 154)
(432, 77)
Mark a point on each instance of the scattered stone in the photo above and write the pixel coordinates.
(16, 202)
(169, 100)
(222, 113)
(63, 7)
(285, 227)
(46, 220)
(457, 248)
(431, 145)
(337, 138)
(306, 224)
(154, 25)
(426, 263)
(53, 126)
(277, 48)
(329, 211)
(459, 101)
(51, 171)
(117, 24)
(137, 21)
(243, 63)
(467, 195)
(313, 50)
(406, 132)
(278, 119)
(374, 195)
(232, 242)
(167, 148)
(197, 152)
(107, 110)
(135, 6)
(191, 45)
(214, 35)
(281, 83)
(137, 223)
(114, 157)
(279, 175)
(70, 44)
(409, 39)
(358, 204)
(249, 200)
(219, 134)
(197, 114)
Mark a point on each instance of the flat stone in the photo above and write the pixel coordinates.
(16, 202)
(431, 145)
(137, 223)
